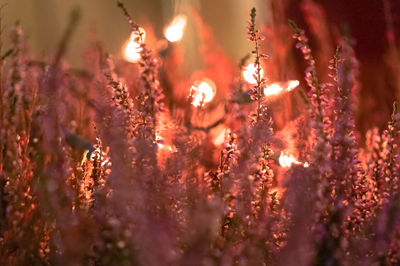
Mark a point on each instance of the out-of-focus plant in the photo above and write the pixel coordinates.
(210, 181)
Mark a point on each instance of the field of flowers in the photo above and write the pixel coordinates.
(124, 162)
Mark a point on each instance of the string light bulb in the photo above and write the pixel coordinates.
(279, 87)
(132, 49)
(250, 73)
(286, 160)
(174, 31)
(202, 92)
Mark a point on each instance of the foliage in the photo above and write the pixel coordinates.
(156, 190)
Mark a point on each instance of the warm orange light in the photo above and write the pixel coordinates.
(159, 141)
(292, 84)
(163, 146)
(273, 89)
(202, 92)
(221, 137)
(286, 160)
(97, 154)
(278, 191)
(278, 87)
(250, 73)
(132, 47)
(166, 147)
(174, 31)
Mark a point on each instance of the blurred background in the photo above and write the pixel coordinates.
(45, 20)
(373, 26)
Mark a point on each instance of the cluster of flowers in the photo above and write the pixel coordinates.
(136, 198)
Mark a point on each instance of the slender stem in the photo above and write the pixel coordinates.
(257, 62)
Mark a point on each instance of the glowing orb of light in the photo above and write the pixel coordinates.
(292, 84)
(250, 73)
(202, 92)
(174, 31)
(279, 87)
(273, 89)
(286, 160)
(221, 137)
(132, 47)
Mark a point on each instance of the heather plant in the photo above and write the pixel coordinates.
(94, 170)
